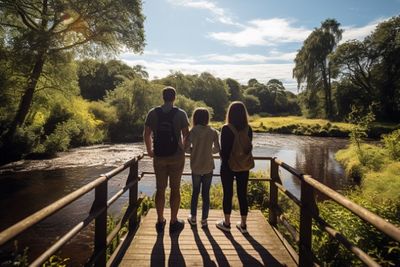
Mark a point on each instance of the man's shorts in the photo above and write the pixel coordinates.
(172, 167)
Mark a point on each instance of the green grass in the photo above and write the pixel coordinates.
(310, 127)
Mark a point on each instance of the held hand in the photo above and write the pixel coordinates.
(150, 153)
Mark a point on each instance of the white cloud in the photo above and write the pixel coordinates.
(219, 13)
(251, 58)
(263, 32)
(359, 33)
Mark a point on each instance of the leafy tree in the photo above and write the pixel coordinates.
(181, 82)
(261, 91)
(213, 92)
(252, 104)
(189, 105)
(385, 40)
(354, 60)
(278, 95)
(132, 100)
(312, 64)
(234, 88)
(37, 32)
(96, 77)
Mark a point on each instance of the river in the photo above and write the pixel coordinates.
(27, 186)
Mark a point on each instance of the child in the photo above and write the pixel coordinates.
(201, 143)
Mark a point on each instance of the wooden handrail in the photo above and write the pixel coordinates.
(98, 213)
(370, 217)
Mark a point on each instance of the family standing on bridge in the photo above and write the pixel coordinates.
(167, 138)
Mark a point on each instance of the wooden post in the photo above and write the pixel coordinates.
(133, 196)
(306, 209)
(273, 192)
(100, 229)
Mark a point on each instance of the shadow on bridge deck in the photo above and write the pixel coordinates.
(195, 246)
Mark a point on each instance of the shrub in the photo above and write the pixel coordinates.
(392, 144)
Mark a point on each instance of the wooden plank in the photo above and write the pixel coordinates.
(195, 246)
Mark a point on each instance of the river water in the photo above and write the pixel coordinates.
(29, 185)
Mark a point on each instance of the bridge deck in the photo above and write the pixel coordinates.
(195, 246)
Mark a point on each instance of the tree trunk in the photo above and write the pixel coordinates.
(26, 99)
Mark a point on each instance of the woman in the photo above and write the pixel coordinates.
(201, 143)
(236, 161)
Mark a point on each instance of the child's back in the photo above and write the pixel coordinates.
(202, 143)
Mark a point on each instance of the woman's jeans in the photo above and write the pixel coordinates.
(203, 181)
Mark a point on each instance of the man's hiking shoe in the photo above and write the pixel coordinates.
(222, 226)
(177, 226)
(204, 223)
(192, 220)
(242, 229)
(160, 226)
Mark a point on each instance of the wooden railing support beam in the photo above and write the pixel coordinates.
(308, 205)
(133, 197)
(273, 193)
(100, 229)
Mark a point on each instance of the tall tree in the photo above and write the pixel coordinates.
(385, 40)
(312, 64)
(41, 30)
(235, 92)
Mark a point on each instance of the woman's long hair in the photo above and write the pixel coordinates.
(237, 115)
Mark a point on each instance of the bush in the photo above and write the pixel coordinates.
(392, 144)
(60, 139)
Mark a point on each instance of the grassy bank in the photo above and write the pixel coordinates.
(310, 127)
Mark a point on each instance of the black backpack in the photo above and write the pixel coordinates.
(165, 141)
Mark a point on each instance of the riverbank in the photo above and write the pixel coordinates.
(310, 127)
(377, 168)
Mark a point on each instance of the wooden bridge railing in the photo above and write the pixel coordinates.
(309, 211)
(98, 213)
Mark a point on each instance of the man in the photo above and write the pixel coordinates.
(162, 135)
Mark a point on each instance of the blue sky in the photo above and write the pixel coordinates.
(245, 39)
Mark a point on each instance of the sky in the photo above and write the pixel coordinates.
(245, 39)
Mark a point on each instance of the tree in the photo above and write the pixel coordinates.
(312, 64)
(234, 88)
(43, 30)
(385, 40)
(213, 92)
(252, 104)
(277, 90)
(97, 77)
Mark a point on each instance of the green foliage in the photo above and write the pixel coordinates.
(56, 261)
(60, 138)
(190, 105)
(213, 91)
(382, 248)
(392, 144)
(361, 124)
(132, 100)
(312, 66)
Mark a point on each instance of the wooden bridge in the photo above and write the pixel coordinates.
(141, 246)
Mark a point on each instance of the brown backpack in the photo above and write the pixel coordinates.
(241, 158)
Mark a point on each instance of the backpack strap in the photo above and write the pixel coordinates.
(166, 116)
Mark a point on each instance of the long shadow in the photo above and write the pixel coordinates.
(219, 254)
(157, 253)
(266, 257)
(245, 258)
(203, 251)
(175, 256)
